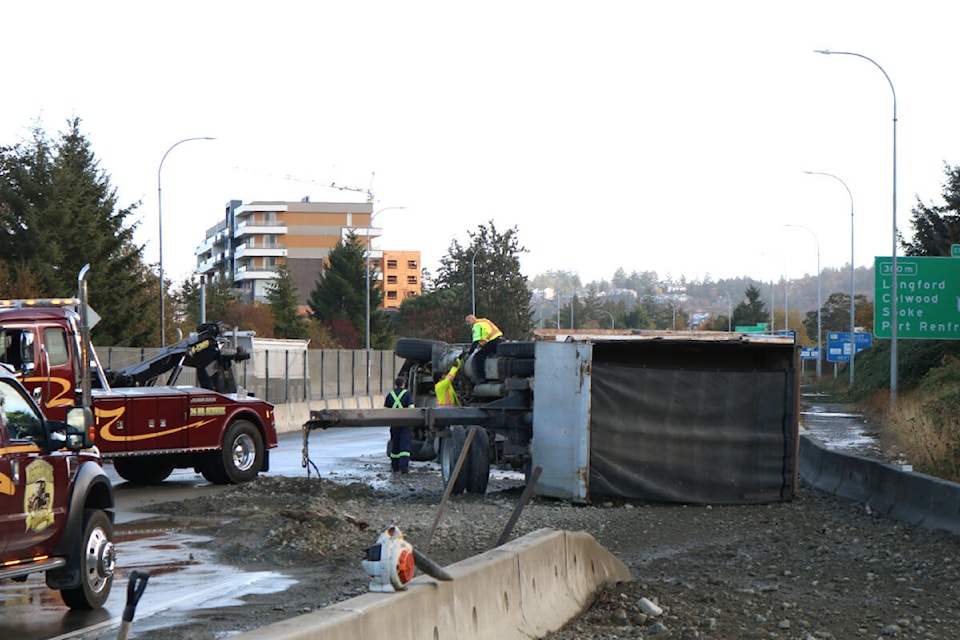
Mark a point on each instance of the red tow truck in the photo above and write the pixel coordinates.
(144, 424)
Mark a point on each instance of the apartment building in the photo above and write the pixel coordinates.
(254, 238)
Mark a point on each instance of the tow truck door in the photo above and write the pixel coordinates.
(33, 484)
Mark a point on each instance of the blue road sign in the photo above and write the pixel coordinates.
(809, 353)
(838, 344)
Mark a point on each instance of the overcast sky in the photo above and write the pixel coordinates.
(664, 136)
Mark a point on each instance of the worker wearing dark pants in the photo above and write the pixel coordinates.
(401, 438)
(485, 337)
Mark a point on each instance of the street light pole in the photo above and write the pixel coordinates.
(473, 290)
(819, 304)
(893, 275)
(163, 325)
(729, 309)
(853, 340)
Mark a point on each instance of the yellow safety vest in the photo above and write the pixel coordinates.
(484, 331)
(446, 394)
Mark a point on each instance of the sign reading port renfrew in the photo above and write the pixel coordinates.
(928, 298)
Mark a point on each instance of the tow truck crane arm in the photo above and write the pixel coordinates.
(203, 352)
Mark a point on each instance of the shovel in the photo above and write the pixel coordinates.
(134, 590)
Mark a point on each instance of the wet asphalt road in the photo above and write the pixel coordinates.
(173, 560)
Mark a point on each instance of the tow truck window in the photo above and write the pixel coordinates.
(55, 340)
(21, 420)
(10, 348)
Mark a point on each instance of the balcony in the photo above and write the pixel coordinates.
(254, 273)
(260, 229)
(259, 250)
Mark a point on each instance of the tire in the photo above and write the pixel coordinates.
(423, 451)
(450, 448)
(143, 469)
(416, 349)
(213, 470)
(517, 348)
(478, 462)
(97, 560)
(241, 457)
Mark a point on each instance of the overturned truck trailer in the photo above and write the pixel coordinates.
(678, 417)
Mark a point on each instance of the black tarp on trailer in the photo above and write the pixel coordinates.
(693, 418)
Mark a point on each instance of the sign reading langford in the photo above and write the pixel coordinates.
(928, 298)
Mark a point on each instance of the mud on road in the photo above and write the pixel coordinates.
(814, 567)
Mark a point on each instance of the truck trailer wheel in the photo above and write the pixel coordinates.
(242, 453)
(143, 469)
(477, 464)
(97, 561)
(450, 448)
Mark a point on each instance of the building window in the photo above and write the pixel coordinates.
(391, 264)
(412, 280)
(391, 279)
(411, 264)
(270, 217)
(391, 295)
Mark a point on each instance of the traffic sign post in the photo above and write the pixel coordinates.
(928, 298)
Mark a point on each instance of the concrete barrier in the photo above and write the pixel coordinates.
(291, 416)
(523, 589)
(886, 488)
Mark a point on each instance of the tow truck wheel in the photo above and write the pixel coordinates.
(450, 448)
(143, 469)
(478, 463)
(242, 454)
(97, 562)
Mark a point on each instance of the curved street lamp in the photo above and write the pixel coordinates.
(853, 340)
(819, 304)
(893, 275)
(163, 326)
(612, 321)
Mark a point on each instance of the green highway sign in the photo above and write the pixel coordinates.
(928, 298)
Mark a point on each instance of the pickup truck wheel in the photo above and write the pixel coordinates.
(478, 462)
(143, 470)
(97, 562)
(450, 448)
(242, 454)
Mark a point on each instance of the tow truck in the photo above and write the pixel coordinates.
(145, 424)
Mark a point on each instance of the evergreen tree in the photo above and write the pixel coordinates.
(338, 299)
(61, 214)
(487, 271)
(218, 296)
(936, 227)
(282, 297)
(751, 311)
